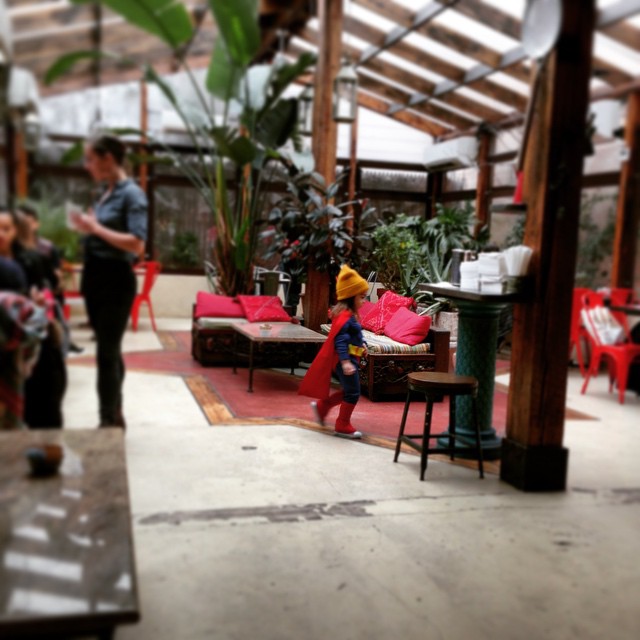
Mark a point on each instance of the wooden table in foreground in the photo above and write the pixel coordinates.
(284, 333)
(476, 356)
(66, 542)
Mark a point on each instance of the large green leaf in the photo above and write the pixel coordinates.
(223, 75)
(287, 73)
(67, 62)
(167, 19)
(276, 125)
(231, 145)
(237, 22)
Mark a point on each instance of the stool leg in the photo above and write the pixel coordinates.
(452, 425)
(474, 403)
(424, 454)
(404, 420)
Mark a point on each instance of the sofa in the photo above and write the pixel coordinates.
(213, 337)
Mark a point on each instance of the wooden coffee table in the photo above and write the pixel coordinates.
(286, 333)
(67, 563)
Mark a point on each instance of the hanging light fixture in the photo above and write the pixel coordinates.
(31, 127)
(305, 111)
(345, 94)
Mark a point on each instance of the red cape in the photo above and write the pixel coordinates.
(317, 381)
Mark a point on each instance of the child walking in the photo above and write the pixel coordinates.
(340, 354)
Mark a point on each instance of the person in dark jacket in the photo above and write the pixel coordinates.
(116, 231)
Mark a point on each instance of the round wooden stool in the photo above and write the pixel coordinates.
(434, 386)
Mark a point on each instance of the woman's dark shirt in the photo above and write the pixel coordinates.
(124, 210)
(12, 276)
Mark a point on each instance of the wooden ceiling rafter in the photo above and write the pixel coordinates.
(374, 95)
(408, 79)
(498, 20)
(447, 37)
(421, 18)
(454, 75)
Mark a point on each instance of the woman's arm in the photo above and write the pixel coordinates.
(88, 223)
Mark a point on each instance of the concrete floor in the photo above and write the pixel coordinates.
(278, 532)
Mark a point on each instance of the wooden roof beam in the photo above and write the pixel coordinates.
(408, 79)
(429, 110)
(409, 118)
(424, 15)
(437, 65)
(447, 37)
(622, 10)
(494, 18)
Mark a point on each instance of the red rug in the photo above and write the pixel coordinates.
(275, 393)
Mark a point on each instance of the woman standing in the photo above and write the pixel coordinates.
(116, 231)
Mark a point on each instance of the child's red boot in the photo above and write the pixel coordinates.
(344, 428)
(320, 408)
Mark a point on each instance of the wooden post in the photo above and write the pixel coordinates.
(21, 166)
(485, 177)
(325, 140)
(10, 159)
(144, 123)
(434, 191)
(533, 458)
(628, 216)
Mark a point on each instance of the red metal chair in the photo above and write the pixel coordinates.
(619, 356)
(150, 270)
(577, 335)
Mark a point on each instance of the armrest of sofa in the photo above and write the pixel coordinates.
(438, 340)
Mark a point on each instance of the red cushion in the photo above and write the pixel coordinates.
(214, 306)
(366, 309)
(383, 310)
(263, 309)
(407, 327)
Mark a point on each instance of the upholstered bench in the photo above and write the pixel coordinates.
(384, 371)
(212, 340)
(212, 335)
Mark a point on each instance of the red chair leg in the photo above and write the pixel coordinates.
(153, 320)
(135, 311)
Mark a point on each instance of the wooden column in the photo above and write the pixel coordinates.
(144, 124)
(485, 176)
(325, 140)
(628, 216)
(434, 191)
(21, 167)
(533, 458)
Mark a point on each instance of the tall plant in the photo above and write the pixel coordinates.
(266, 121)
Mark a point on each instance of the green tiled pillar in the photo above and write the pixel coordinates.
(476, 356)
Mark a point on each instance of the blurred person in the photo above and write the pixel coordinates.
(52, 264)
(116, 231)
(45, 387)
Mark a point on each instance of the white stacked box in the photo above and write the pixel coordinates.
(469, 275)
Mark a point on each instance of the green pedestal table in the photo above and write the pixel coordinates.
(476, 356)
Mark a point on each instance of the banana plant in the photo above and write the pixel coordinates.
(266, 122)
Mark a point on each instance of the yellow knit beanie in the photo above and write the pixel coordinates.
(350, 283)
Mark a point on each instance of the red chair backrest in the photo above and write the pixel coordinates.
(150, 270)
(620, 297)
(576, 307)
(590, 301)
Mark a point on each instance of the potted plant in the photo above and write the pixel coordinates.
(305, 227)
(257, 121)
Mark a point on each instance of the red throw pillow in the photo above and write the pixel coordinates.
(263, 309)
(212, 305)
(384, 309)
(407, 327)
(366, 308)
